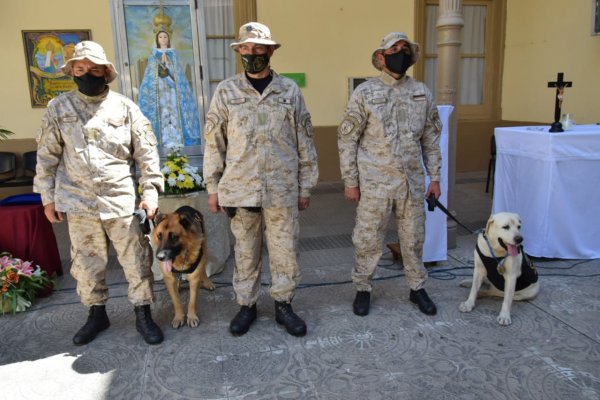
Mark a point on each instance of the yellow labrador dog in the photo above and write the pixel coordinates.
(502, 266)
(181, 249)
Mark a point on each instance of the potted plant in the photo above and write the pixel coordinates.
(180, 176)
(4, 133)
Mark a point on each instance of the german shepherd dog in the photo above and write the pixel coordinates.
(181, 249)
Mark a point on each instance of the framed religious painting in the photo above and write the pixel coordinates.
(45, 52)
(159, 56)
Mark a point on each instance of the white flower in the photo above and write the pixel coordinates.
(22, 304)
(166, 170)
(174, 149)
(172, 182)
(181, 177)
(198, 179)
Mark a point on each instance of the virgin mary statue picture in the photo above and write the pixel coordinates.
(165, 95)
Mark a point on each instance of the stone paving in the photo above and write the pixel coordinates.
(551, 350)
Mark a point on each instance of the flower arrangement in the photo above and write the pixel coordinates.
(180, 176)
(21, 282)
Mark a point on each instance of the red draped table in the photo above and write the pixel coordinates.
(27, 234)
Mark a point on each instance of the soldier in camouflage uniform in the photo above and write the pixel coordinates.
(89, 145)
(260, 164)
(391, 127)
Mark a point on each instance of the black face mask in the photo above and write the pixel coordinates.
(254, 63)
(90, 85)
(398, 63)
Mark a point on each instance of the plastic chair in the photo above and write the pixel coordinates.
(8, 166)
(491, 165)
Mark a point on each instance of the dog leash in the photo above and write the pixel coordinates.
(432, 202)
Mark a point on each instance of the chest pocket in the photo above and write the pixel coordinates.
(385, 113)
(239, 115)
(71, 128)
(418, 113)
(112, 132)
(286, 105)
(275, 116)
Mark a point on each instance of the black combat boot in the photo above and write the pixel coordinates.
(146, 326)
(361, 303)
(285, 316)
(97, 322)
(420, 298)
(242, 320)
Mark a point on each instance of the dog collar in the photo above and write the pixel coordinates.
(499, 260)
(191, 269)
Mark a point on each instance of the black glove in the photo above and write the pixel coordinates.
(140, 213)
(431, 202)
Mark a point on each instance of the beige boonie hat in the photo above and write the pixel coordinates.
(389, 40)
(254, 32)
(93, 52)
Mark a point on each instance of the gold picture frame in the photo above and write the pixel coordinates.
(45, 52)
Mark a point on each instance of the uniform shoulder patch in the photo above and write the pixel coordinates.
(148, 134)
(307, 124)
(350, 122)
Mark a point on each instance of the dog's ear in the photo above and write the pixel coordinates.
(158, 219)
(185, 221)
(489, 224)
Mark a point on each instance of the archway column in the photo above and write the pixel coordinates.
(449, 26)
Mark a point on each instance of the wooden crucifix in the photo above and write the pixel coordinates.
(560, 86)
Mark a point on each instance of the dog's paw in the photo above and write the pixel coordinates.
(178, 321)
(504, 319)
(466, 306)
(193, 320)
(209, 285)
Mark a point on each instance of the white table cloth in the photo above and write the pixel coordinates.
(435, 247)
(552, 180)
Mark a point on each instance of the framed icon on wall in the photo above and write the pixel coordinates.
(45, 52)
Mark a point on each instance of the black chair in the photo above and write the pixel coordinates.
(8, 170)
(491, 165)
(8, 166)
(29, 163)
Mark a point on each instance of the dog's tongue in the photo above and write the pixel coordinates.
(512, 250)
(167, 265)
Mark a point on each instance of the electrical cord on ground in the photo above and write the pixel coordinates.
(439, 273)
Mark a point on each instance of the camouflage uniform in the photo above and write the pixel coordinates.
(88, 148)
(260, 153)
(390, 128)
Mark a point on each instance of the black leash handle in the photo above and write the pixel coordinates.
(144, 221)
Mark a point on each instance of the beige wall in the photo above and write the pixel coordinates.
(17, 114)
(544, 37)
(330, 41)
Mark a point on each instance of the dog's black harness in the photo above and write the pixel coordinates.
(195, 216)
(528, 272)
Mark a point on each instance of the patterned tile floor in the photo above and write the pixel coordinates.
(551, 351)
